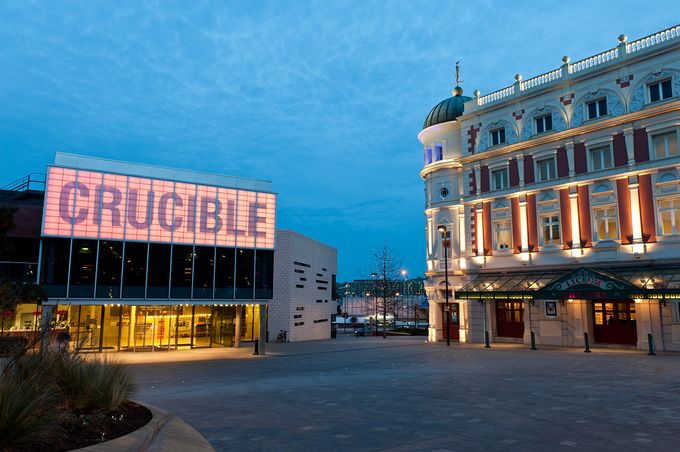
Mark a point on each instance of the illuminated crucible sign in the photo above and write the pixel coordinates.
(97, 205)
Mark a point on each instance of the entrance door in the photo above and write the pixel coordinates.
(615, 322)
(510, 318)
(454, 321)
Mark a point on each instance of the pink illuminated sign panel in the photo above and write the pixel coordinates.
(97, 205)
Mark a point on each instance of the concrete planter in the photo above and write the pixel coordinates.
(165, 431)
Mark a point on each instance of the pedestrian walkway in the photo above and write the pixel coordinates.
(405, 394)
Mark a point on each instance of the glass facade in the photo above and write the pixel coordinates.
(108, 269)
(143, 328)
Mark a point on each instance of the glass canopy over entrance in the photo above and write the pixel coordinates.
(595, 283)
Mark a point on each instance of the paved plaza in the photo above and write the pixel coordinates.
(404, 394)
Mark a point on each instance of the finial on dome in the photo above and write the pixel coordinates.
(518, 77)
(457, 90)
(566, 59)
(623, 38)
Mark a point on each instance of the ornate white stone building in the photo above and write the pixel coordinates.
(560, 198)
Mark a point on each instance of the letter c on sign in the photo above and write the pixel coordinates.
(65, 206)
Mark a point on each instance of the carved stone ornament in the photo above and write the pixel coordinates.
(559, 124)
(510, 134)
(614, 107)
(637, 101)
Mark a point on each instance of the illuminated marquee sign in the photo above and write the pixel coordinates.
(97, 205)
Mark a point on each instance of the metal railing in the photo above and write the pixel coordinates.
(34, 181)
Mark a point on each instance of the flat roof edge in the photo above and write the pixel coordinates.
(85, 162)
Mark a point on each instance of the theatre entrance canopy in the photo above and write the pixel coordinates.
(662, 283)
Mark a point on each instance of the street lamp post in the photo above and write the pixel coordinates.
(445, 243)
(404, 294)
(375, 296)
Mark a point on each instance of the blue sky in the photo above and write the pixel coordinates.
(324, 98)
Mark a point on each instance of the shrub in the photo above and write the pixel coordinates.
(25, 409)
(97, 384)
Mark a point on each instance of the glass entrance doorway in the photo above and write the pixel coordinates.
(615, 322)
(510, 318)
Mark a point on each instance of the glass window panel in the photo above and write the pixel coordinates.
(83, 261)
(654, 92)
(159, 271)
(245, 268)
(224, 273)
(598, 318)
(666, 89)
(264, 274)
(90, 326)
(592, 110)
(180, 286)
(539, 125)
(612, 230)
(202, 326)
(203, 271)
(134, 270)
(548, 122)
(666, 223)
(602, 106)
(672, 140)
(54, 272)
(112, 315)
(109, 268)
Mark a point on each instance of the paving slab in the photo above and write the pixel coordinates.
(404, 394)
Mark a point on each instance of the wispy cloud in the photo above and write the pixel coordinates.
(323, 98)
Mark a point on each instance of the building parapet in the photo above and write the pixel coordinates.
(569, 69)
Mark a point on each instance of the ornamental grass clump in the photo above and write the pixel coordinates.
(27, 405)
(96, 384)
(42, 391)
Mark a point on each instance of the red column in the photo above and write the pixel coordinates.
(562, 163)
(640, 145)
(516, 225)
(565, 218)
(620, 154)
(625, 219)
(484, 176)
(531, 223)
(647, 208)
(486, 219)
(585, 227)
(580, 165)
(528, 169)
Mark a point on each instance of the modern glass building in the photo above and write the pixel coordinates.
(139, 257)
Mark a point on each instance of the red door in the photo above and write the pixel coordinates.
(614, 322)
(510, 318)
(454, 322)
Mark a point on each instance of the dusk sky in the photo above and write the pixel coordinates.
(324, 98)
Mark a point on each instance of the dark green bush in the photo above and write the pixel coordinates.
(26, 409)
(95, 384)
(37, 389)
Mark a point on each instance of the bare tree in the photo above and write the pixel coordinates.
(386, 271)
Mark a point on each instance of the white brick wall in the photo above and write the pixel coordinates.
(319, 259)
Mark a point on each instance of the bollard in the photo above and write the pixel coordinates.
(257, 346)
(650, 340)
(486, 339)
(585, 336)
(533, 341)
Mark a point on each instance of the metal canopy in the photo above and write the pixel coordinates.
(591, 283)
